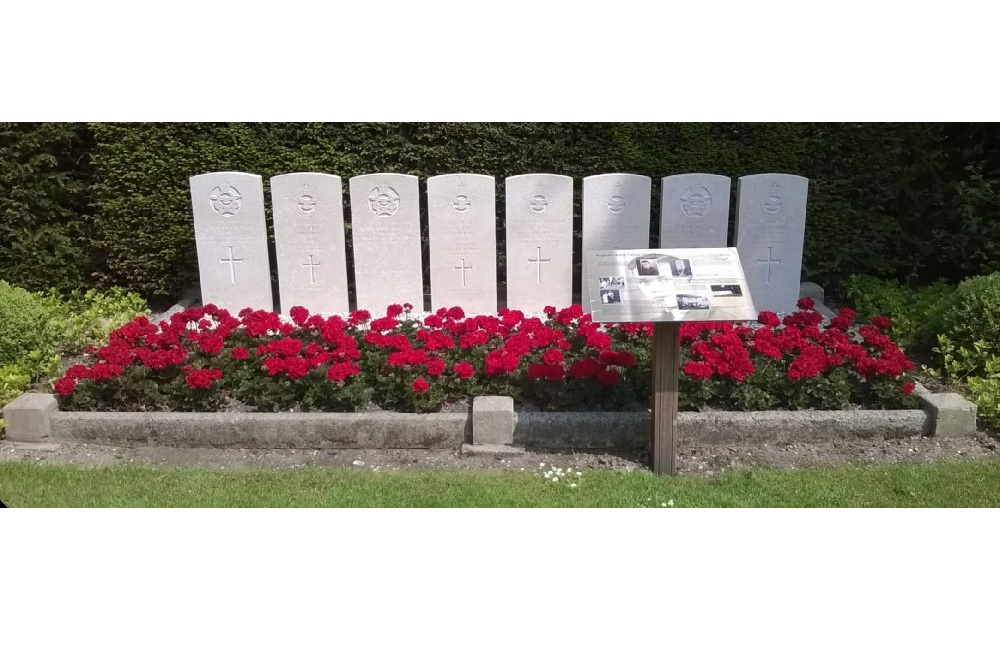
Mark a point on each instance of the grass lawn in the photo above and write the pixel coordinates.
(26, 484)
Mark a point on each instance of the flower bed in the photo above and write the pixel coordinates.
(205, 359)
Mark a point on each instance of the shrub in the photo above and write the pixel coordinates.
(915, 312)
(973, 312)
(88, 318)
(26, 324)
(977, 370)
(45, 205)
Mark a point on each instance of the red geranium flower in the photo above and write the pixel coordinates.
(805, 303)
(202, 379)
(464, 370)
(211, 344)
(78, 372)
(908, 387)
(420, 386)
(767, 318)
(340, 372)
(608, 376)
(65, 386)
(553, 357)
(882, 322)
(585, 368)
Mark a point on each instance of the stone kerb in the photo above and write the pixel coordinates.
(492, 422)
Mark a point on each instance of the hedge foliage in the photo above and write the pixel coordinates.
(104, 204)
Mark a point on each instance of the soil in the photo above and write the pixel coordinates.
(691, 461)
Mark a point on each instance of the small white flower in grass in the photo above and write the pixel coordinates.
(541, 465)
(579, 474)
(555, 479)
(572, 486)
(670, 503)
(569, 470)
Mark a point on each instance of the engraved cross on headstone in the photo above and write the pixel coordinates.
(232, 261)
(538, 261)
(312, 269)
(463, 269)
(769, 261)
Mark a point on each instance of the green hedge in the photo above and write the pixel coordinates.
(143, 215)
(44, 205)
(105, 204)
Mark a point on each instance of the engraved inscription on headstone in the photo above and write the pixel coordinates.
(615, 214)
(231, 239)
(770, 230)
(385, 228)
(694, 211)
(461, 219)
(540, 241)
(309, 239)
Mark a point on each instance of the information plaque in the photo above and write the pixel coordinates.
(668, 285)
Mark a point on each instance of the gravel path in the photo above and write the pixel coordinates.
(699, 461)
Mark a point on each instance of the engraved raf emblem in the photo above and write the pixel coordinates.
(384, 201)
(306, 201)
(461, 202)
(537, 203)
(226, 200)
(772, 203)
(696, 201)
(615, 203)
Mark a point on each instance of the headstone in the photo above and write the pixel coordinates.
(231, 238)
(539, 242)
(385, 228)
(694, 211)
(615, 214)
(461, 216)
(770, 230)
(309, 242)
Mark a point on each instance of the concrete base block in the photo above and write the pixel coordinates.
(813, 291)
(952, 416)
(497, 451)
(493, 420)
(29, 417)
(817, 294)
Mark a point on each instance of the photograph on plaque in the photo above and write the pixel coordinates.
(668, 285)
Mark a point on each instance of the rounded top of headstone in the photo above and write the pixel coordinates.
(461, 175)
(539, 175)
(617, 175)
(385, 174)
(214, 175)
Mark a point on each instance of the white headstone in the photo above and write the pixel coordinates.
(309, 242)
(694, 211)
(615, 214)
(385, 228)
(462, 230)
(231, 237)
(770, 230)
(539, 242)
